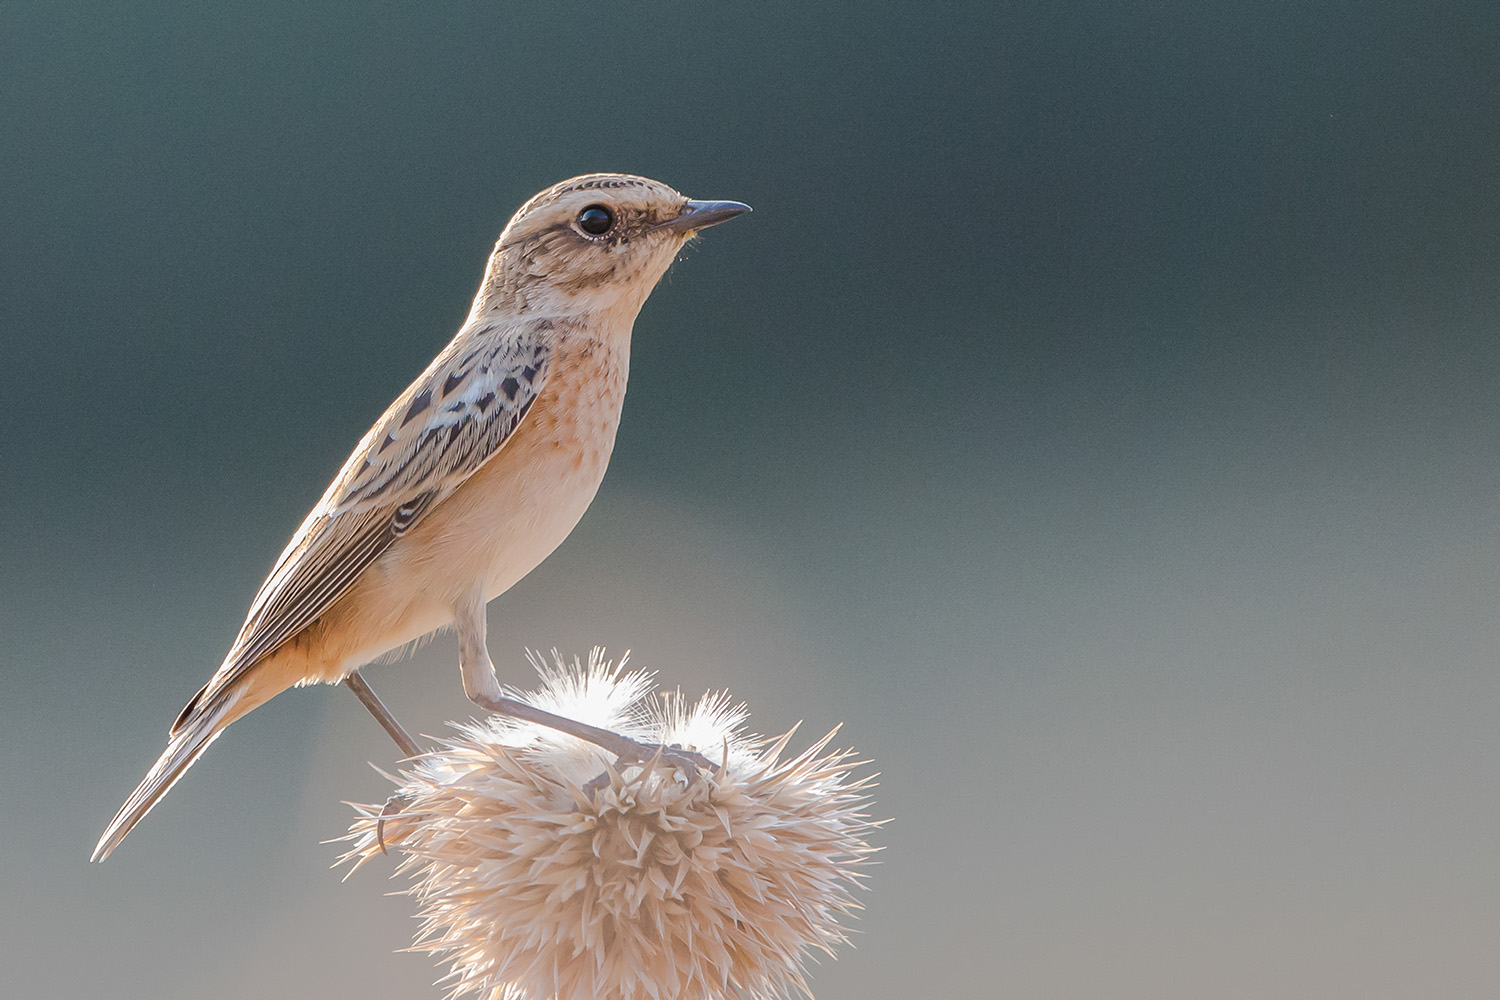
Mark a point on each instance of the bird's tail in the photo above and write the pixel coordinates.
(201, 723)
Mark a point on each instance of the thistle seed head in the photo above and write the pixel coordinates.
(649, 885)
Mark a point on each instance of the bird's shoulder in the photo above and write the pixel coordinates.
(451, 418)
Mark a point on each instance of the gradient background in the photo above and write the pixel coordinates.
(1098, 415)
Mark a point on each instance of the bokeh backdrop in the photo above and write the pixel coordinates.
(1098, 415)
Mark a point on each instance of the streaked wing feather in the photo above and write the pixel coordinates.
(442, 430)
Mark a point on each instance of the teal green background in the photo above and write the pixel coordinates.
(1098, 416)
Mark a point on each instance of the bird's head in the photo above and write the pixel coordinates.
(599, 242)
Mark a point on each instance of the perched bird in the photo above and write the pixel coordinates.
(472, 476)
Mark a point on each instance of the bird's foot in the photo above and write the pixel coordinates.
(673, 755)
(689, 762)
(625, 749)
(394, 806)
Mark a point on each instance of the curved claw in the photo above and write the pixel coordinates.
(394, 804)
(676, 755)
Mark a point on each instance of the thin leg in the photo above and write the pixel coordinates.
(483, 688)
(367, 697)
(354, 682)
(480, 683)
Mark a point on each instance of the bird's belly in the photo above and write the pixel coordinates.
(516, 517)
(504, 520)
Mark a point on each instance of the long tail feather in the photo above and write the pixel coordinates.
(190, 737)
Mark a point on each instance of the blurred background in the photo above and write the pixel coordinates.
(1098, 416)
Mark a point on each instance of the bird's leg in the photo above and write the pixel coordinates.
(483, 688)
(367, 697)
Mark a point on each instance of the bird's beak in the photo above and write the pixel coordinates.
(698, 215)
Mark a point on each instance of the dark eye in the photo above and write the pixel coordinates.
(596, 220)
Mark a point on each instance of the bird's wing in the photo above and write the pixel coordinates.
(448, 423)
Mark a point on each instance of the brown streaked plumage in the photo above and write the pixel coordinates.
(472, 476)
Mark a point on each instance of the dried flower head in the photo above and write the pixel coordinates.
(538, 878)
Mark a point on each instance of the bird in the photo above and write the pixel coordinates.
(472, 476)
